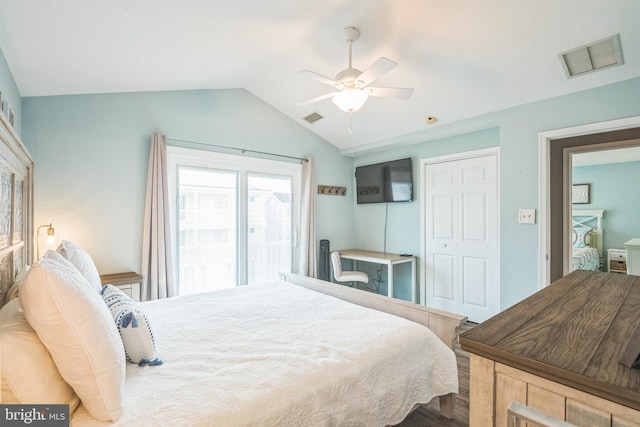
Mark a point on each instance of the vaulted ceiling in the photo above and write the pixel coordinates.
(463, 57)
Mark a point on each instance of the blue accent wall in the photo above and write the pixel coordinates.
(614, 189)
(10, 93)
(91, 154)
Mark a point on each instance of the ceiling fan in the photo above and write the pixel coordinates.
(353, 86)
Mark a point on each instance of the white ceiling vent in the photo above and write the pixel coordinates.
(313, 117)
(594, 56)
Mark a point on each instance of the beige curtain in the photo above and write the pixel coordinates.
(308, 265)
(157, 264)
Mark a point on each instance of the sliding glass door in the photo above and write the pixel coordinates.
(207, 229)
(270, 228)
(234, 219)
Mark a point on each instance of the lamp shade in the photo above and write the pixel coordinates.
(350, 99)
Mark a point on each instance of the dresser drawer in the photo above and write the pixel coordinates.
(618, 255)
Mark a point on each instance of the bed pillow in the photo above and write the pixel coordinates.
(76, 327)
(82, 261)
(581, 236)
(29, 375)
(133, 326)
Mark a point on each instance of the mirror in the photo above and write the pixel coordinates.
(603, 180)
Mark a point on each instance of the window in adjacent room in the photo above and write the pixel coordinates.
(230, 229)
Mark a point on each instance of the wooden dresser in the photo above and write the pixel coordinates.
(558, 351)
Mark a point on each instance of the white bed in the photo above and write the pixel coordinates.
(277, 354)
(270, 354)
(587, 242)
(301, 352)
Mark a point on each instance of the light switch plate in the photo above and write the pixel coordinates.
(527, 216)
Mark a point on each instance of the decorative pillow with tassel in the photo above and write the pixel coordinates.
(133, 326)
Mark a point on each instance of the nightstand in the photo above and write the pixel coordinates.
(128, 282)
(617, 261)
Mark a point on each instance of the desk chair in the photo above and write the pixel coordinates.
(346, 276)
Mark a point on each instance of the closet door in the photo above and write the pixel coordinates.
(461, 241)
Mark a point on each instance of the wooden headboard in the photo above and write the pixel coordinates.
(16, 206)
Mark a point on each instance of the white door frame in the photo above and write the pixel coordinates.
(544, 146)
(423, 168)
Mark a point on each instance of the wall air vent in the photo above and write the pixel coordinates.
(594, 56)
(313, 117)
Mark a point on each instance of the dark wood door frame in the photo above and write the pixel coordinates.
(554, 187)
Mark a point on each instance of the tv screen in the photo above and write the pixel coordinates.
(384, 182)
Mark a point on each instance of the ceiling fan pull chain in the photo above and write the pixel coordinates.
(350, 122)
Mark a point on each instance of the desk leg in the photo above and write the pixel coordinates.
(414, 297)
(390, 280)
(354, 267)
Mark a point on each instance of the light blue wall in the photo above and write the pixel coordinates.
(613, 188)
(516, 133)
(11, 93)
(91, 154)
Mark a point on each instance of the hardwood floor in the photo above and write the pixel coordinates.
(428, 415)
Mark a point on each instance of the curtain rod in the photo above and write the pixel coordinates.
(242, 150)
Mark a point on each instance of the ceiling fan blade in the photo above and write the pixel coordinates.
(316, 99)
(390, 92)
(319, 77)
(381, 66)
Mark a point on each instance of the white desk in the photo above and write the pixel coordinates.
(385, 259)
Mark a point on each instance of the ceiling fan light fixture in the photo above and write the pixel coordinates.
(350, 100)
(352, 87)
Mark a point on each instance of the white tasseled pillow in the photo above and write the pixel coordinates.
(77, 328)
(29, 375)
(133, 326)
(82, 261)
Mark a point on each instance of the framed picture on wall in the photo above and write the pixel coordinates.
(580, 194)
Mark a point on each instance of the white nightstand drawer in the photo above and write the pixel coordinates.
(127, 289)
(618, 255)
(129, 283)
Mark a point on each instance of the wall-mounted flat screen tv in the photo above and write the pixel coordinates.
(384, 182)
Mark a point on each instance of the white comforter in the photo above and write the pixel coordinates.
(280, 355)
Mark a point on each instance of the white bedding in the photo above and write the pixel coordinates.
(280, 355)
